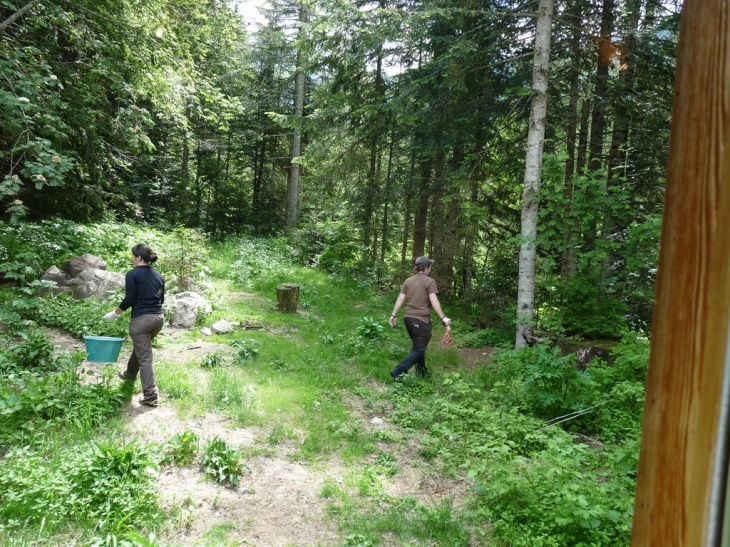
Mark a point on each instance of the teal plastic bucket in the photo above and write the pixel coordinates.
(103, 349)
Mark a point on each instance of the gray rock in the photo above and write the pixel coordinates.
(96, 283)
(205, 331)
(186, 307)
(74, 266)
(43, 291)
(222, 326)
(54, 274)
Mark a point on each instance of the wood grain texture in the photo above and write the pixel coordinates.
(690, 324)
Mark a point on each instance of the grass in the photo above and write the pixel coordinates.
(301, 386)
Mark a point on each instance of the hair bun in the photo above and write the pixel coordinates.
(153, 258)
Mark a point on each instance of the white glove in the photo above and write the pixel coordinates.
(111, 316)
(445, 321)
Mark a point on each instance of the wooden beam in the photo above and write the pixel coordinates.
(682, 466)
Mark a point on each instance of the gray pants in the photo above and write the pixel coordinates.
(142, 330)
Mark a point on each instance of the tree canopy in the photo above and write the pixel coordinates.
(412, 129)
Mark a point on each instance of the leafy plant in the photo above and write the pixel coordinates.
(386, 464)
(182, 448)
(212, 361)
(34, 404)
(34, 352)
(222, 462)
(245, 350)
(80, 317)
(370, 328)
(105, 485)
(357, 540)
(553, 384)
(493, 337)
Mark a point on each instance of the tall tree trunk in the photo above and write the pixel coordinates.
(372, 190)
(581, 154)
(444, 225)
(185, 166)
(469, 239)
(533, 165)
(258, 178)
(388, 172)
(293, 187)
(567, 262)
(410, 192)
(619, 138)
(419, 222)
(569, 237)
(605, 51)
(620, 132)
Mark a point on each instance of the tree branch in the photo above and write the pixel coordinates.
(18, 14)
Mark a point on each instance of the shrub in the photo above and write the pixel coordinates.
(222, 463)
(541, 381)
(245, 350)
(370, 328)
(33, 404)
(80, 317)
(493, 337)
(212, 361)
(105, 486)
(33, 352)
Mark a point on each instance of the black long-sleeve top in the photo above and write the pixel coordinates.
(145, 291)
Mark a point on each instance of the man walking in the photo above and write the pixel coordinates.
(419, 292)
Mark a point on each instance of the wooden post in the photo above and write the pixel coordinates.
(683, 462)
(287, 294)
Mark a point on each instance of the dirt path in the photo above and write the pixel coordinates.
(278, 503)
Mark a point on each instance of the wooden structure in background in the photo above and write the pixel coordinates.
(683, 464)
(287, 295)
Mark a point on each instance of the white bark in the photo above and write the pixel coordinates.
(533, 165)
(293, 187)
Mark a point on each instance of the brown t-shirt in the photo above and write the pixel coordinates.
(417, 288)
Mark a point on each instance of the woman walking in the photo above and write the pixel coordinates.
(145, 294)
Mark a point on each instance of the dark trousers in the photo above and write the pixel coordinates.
(142, 330)
(420, 334)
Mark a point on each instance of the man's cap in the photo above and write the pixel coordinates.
(423, 261)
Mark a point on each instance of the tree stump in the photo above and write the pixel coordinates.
(287, 294)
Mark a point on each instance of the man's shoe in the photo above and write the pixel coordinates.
(124, 377)
(149, 402)
(394, 375)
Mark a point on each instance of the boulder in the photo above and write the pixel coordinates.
(186, 307)
(96, 283)
(74, 266)
(60, 277)
(221, 327)
(43, 291)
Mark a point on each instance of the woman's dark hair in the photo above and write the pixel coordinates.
(145, 253)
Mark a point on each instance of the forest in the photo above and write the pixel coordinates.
(330, 143)
(373, 133)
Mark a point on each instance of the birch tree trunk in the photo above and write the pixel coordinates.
(293, 187)
(533, 164)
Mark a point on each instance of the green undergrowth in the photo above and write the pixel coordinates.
(515, 429)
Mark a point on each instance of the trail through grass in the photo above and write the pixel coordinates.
(288, 431)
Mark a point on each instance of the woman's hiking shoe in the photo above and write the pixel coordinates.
(124, 377)
(149, 402)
